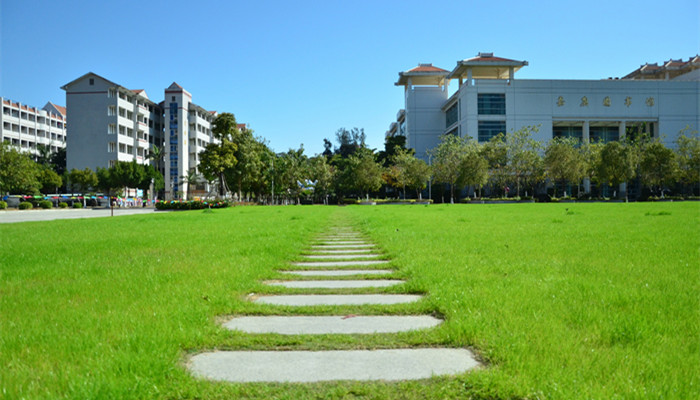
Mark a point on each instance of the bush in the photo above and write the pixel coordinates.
(63, 204)
(46, 204)
(190, 205)
(3, 205)
(77, 204)
(25, 205)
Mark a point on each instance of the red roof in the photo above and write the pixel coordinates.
(426, 68)
(62, 110)
(137, 91)
(490, 58)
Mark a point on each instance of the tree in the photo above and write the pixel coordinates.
(18, 173)
(82, 180)
(496, 155)
(366, 172)
(448, 157)
(657, 165)
(58, 161)
(349, 141)
(322, 173)
(616, 164)
(293, 170)
(408, 171)
(218, 159)
(49, 179)
(474, 167)
(524, 160)
(392, 146)
(564, 162)
(688, 157)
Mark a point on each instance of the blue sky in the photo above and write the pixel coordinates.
(296, 71)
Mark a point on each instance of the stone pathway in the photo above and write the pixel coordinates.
(336, 254)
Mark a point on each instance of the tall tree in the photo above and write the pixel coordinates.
(322, 173)
(474, 167)
(524, 160)
(294, 171)
(50, 181)
(366, 172)
(688, 157)
(616, 164)
(496, 155)
(349, 141)
(82, 180)
(392, 146)
(407, 171)
(448, 157)
(219, 158)
(657, 165)
(564, 162)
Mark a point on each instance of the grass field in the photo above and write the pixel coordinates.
(560, 301)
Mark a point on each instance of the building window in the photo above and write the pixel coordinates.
(112, 92)
(451, 115)
(489, 129)
(604, 134)
(92, 81)
(575, 132)
(112, 111)
(111, 129)
(122, 148)
(172, 98)
(112, 147)
(491, 103)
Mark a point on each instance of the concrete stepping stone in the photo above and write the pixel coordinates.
(315, 366)
(319, 325)
(336, 242)
(340, 256)
(339, 272)
(342, 246)
(341, 284)
(336, 299)
(352, 251)
(338, 263)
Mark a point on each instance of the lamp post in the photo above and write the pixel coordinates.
(272, 178)
(430, 178)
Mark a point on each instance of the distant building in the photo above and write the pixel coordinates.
(112, 123)
(658, 100)
(28, 128)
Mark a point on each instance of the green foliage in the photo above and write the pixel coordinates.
(688, 157)
(616, 164)
(19, 174)
(366, 173)
(63, 204)
(525, 165)
(77, 205)
(323, 174)
(3, 205)
(447, 159)
(407, 171)
(46, 204)
(564, 161)
(25, 205)
(190, 205)
(49, 180)
(657, 165)
(83, 180)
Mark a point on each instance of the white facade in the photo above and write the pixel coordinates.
(28, 128)
(188, 131)
(110, 123)
(490, 100)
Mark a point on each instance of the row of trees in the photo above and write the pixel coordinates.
(523, 163)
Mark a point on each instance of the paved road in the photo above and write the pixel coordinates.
(12, 216)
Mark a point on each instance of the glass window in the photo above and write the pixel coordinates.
(604, 134)
(575, 132)
(489, 129)
(451, 115)
(491, 103)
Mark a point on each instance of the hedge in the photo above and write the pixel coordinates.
(190, 205)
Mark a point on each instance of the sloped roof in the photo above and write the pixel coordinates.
(423, 74)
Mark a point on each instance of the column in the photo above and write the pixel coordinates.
(469, 75)
(586, 140)
(622, 132)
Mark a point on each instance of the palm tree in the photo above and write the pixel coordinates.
(190, 179)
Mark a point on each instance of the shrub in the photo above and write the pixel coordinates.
(3, 205)
(190, 205)
(25, 205)
(63, 204)
(46, 204)
(77, 204)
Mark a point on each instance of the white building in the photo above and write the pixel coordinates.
(659, 100)
(27, 128)
(188, 131)
(111, 123)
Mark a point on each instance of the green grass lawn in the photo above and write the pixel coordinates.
(563, 301)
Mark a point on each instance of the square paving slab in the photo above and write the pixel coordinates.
(315, 366)
(318, 325)
(342, 246)
(340, 256)
(343, 284)
(339, 272)
(351, 251)
(336, 299)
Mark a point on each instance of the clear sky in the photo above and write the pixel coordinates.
(296, 71)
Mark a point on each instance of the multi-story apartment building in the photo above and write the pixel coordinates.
(111, 123)
(28, 128)
(659, 100)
